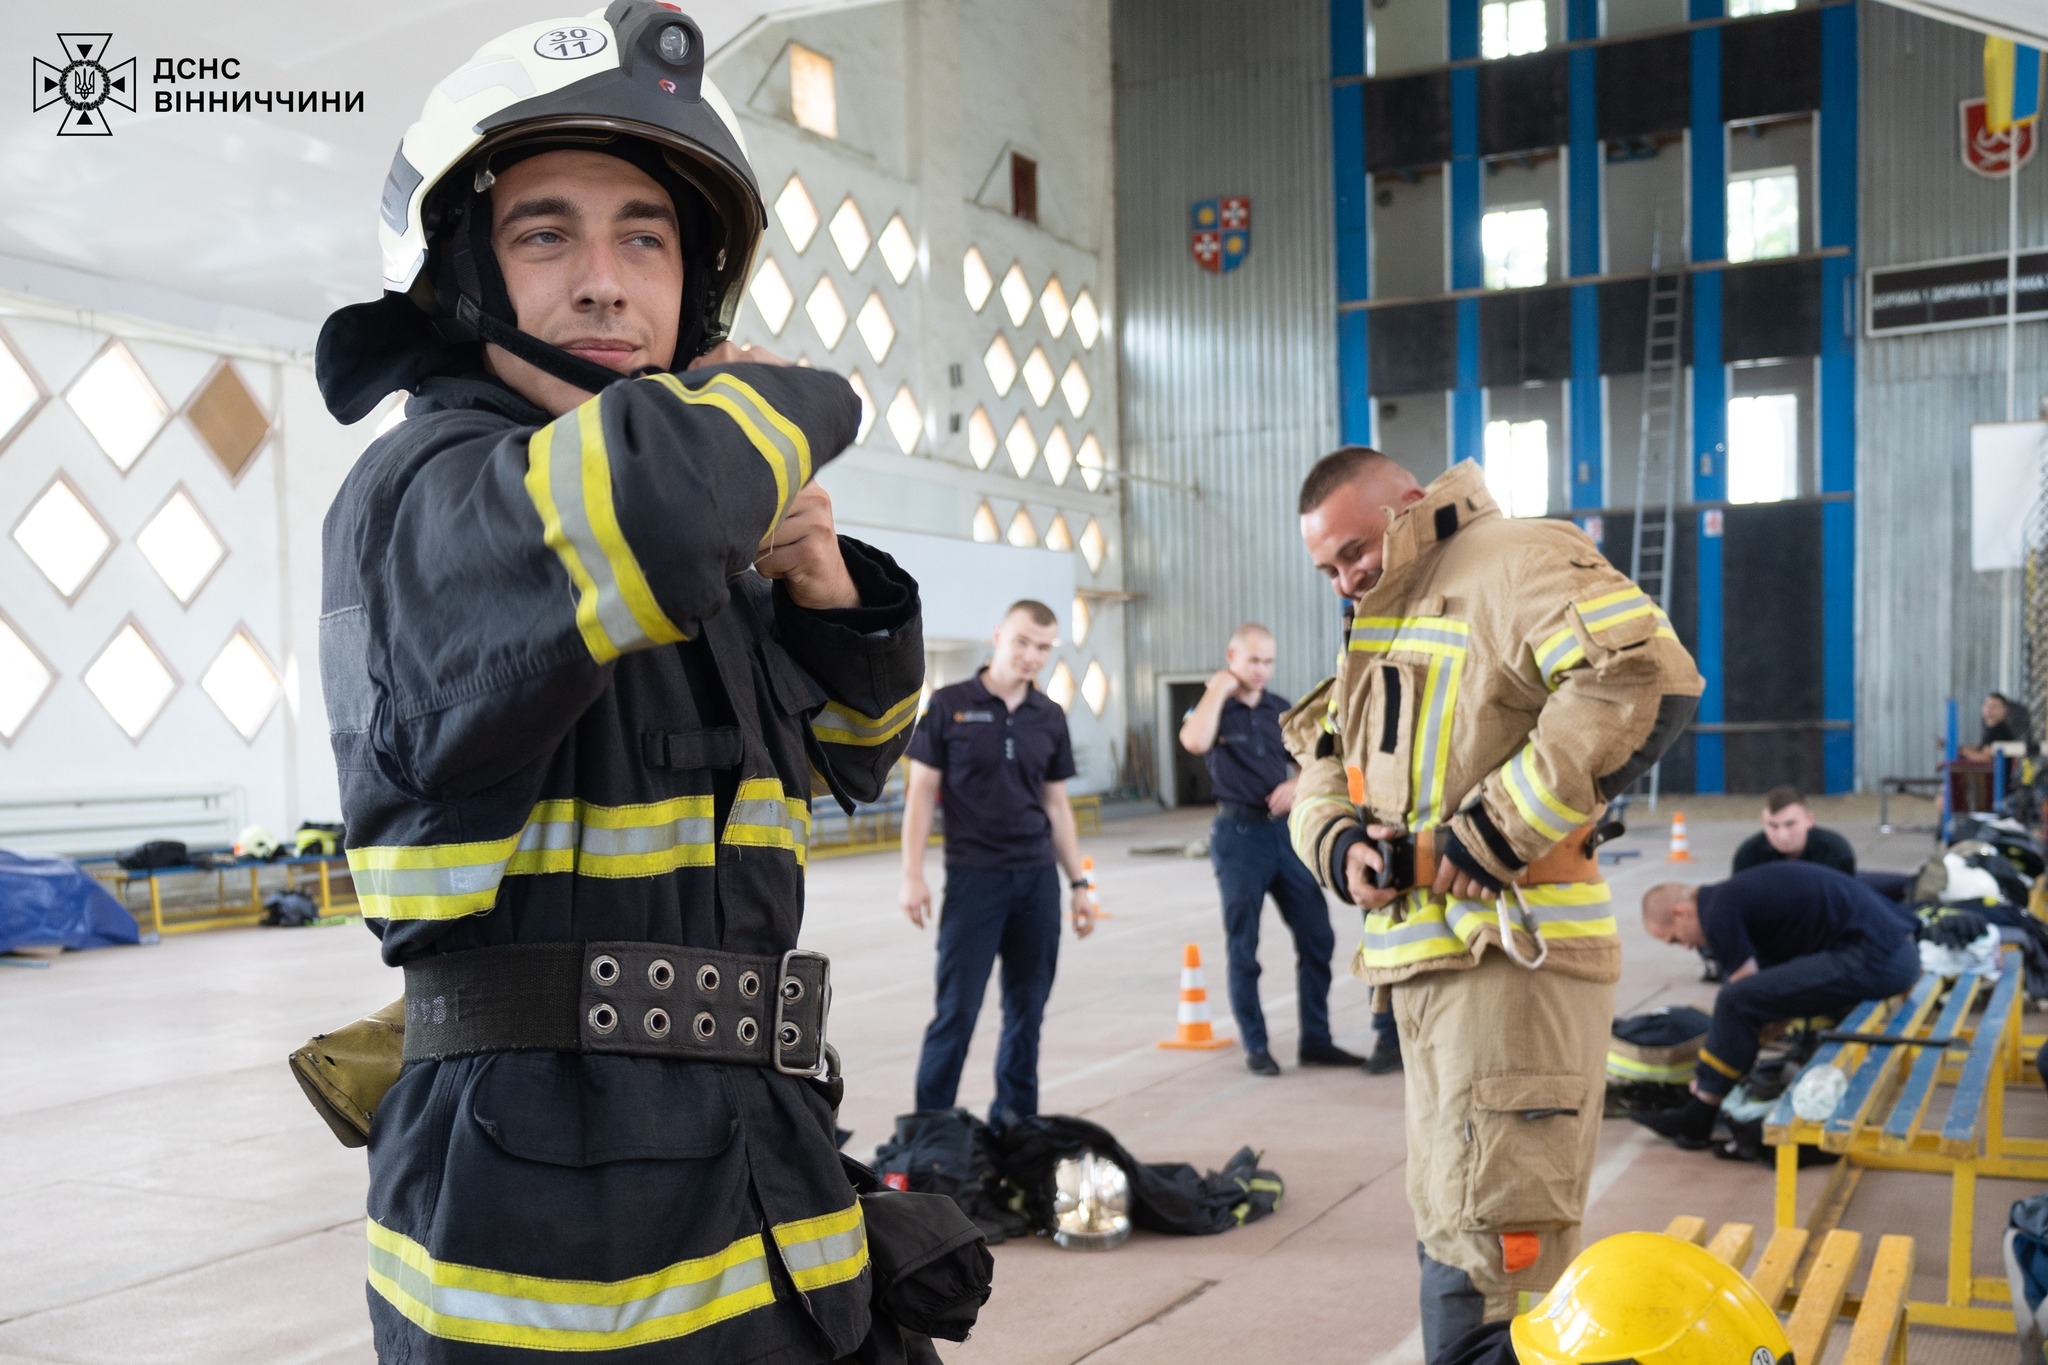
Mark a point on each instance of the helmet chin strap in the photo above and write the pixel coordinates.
(587, 375)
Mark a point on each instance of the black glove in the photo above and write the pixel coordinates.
(1457, 855)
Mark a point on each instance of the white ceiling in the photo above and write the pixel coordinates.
(261, 211)
(2023, 21)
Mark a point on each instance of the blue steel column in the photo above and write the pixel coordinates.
(1837, 197)
(1709, 231)
(1588, 424)
(1354, 219)
(1468, 420)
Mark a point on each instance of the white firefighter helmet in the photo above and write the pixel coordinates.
(627, 80)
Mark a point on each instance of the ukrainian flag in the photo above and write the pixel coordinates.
(2012, 84)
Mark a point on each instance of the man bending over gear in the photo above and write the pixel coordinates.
(1796, 940)
(588, 641)
(1501, 682)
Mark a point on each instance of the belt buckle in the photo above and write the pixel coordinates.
(819, 1069)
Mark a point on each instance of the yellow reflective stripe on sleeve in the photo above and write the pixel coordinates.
(1557, 654)
(763, 817)
(569, 480)
(799, 444)
(1609, 611)
(1420, 935)
(1715, 1062)
(1546, 814)
(754, 425)
(448, 881)
(824, 1251)
(838, 724)
(1302, 809)
(493, 1308)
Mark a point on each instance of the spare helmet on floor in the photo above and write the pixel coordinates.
(1091, 1202)
(1654, 1300)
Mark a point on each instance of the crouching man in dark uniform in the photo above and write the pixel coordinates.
(589, 643)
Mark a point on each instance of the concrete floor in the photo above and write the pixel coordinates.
(170, 1198)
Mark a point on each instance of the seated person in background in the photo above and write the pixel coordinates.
(1796, 940)
(2004, 720)
(1789, 833)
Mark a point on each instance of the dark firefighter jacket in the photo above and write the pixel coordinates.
(565, 708)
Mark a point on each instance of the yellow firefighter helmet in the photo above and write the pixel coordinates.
(1654, 1300)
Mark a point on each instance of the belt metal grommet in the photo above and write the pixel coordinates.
(750, 984)
(789, 1035)
(707, 978)
(705, 1025)
(603, 1018)
(656, 1022)
(792, 989)
(604, 969)
(661, 974)
(748, 1031)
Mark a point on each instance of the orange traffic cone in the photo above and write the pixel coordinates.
(1194, 1032)
(1681, 851)
(1094, 892)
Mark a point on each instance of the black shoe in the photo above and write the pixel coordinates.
(1691, 1126)
(1261, 1063)
(1386, 1058)
(1327, 1054)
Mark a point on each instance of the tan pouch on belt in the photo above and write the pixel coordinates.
(1565, 861)
(346, 1073)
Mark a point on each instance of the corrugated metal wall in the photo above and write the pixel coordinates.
(1928, 626)
(1228, 381)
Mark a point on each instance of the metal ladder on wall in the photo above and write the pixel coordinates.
(1663, 374)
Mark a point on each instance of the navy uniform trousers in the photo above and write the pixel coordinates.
(1830, 984)
(1014, 913)
(1252, 860)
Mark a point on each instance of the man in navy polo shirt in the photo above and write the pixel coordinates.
(1235, 728)
(994, 752)
(1796, 940)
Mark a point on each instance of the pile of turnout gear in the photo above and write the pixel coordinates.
(1068, 1179)
(1971, 899)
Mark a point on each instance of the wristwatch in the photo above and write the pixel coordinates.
(1079, 884)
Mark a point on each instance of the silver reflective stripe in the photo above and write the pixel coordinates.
(764, 422)
(402, 882)
(345, 669)
(1626, 604)
(1532, 806)
(1408, 931)
(764, 814)
(595, 1319)
(565, 485)
(820, 1252)
(548, 836)
(1443, 676)
(1394, 638)
(1558, 655)
(680, 832)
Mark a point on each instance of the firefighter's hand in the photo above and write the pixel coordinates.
(916, 899)
(804, 553)
(729, 353)
(1461, 885)
(1360, 863)
(1083, 913)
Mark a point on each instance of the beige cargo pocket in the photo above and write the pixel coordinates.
(1390, 738)
(1526, 1135)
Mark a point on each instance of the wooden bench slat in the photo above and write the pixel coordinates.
(1687, 1228)
(1781, 1117)
(1906, 1115)
(1780, 1259)
(1820, 1298)
(1733, 1243)
(1962, 1128)
(1880, 1322)
(1878, 1065)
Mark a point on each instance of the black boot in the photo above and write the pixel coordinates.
(1691, 1126)
(1386, 1056)
(1328, 1054)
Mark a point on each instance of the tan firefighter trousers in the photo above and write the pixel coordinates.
(1506, 1076)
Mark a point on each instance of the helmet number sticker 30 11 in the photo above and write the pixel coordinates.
(567, 44)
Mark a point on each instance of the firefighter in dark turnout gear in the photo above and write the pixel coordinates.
(588, 646)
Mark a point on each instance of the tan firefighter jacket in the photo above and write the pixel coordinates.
(1504, 679)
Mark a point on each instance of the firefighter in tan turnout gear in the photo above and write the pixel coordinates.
(1501, 682)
